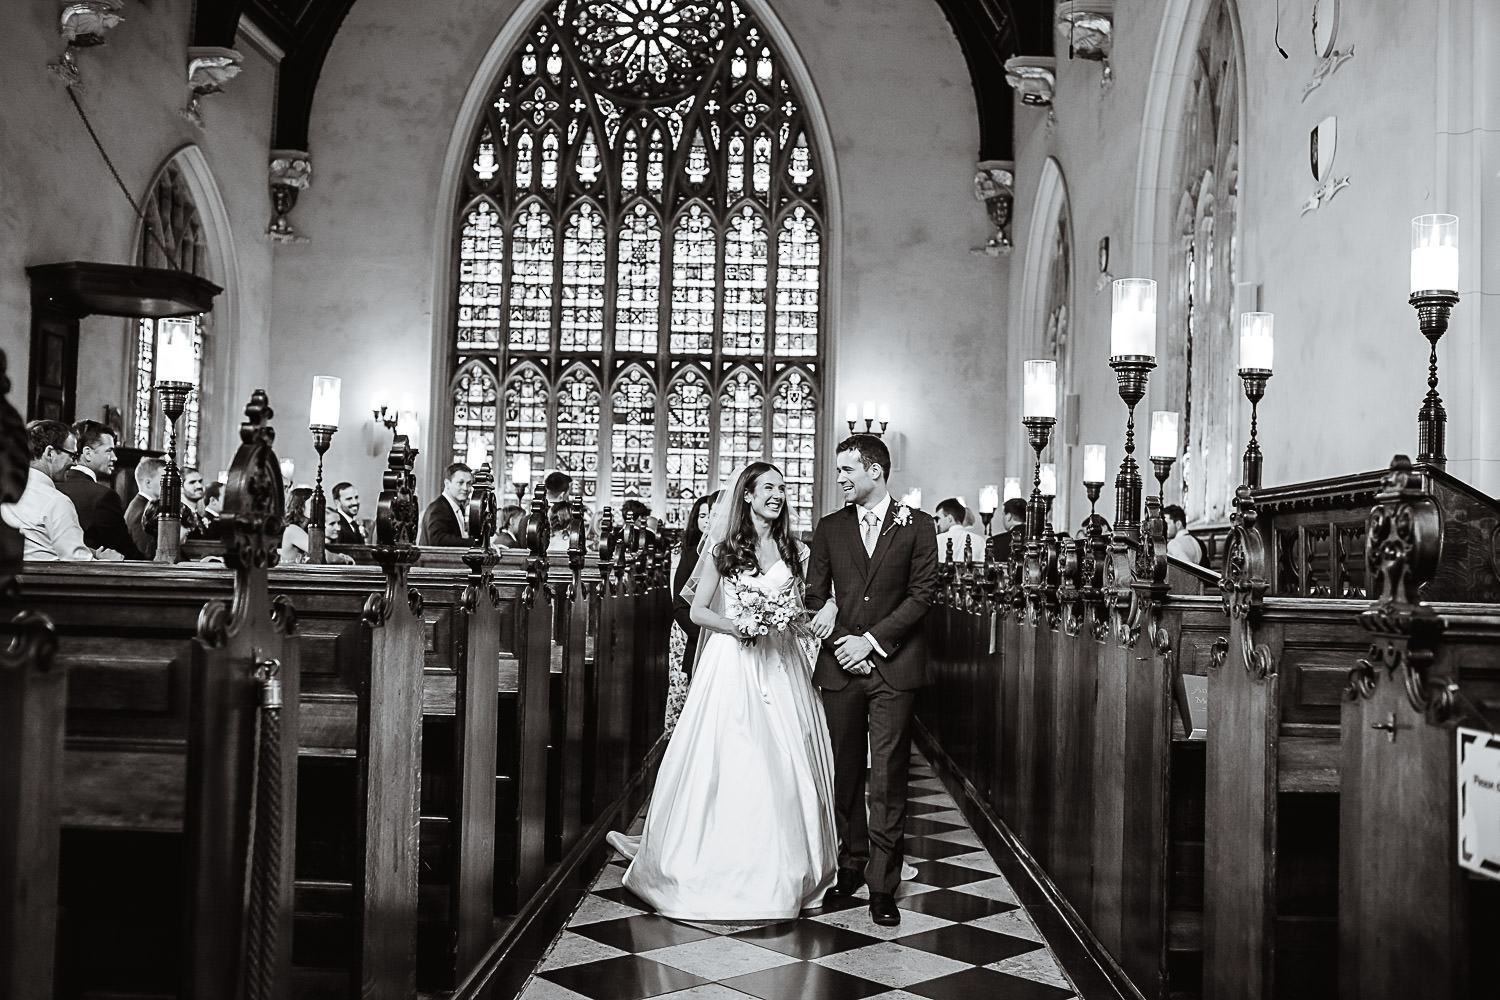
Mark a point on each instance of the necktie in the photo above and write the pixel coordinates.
(871, 523)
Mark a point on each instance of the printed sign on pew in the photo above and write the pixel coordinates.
(1479, 801)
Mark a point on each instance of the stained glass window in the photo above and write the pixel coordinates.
(794, 431)
(473, 411)
(525, 419)
(643, 190)
(578, 429)
(172, 238)
(634, 446)
(1205, 269)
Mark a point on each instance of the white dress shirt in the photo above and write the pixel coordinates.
(958, 533)
(864, 512)
(47, 520)
(461, 514)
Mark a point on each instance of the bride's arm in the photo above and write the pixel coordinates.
(703, 615)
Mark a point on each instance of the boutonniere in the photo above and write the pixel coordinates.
(902, 516)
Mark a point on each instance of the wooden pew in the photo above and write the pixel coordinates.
(173, 743)
(32, 700)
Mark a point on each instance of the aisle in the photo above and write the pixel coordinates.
(962, 935)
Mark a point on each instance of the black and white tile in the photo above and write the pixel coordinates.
(963, 934)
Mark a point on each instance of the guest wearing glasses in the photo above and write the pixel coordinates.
(87, 484)
(46, 518)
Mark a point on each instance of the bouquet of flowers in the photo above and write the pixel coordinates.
(757, 613)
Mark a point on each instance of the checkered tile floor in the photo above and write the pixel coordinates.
(962, 935)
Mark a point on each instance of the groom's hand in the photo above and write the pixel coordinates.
(852, 649)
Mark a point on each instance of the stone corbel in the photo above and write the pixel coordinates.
(290, 172)
(1403, 540)
(208, 69)
(995, 186)
(1033, 78)
(1087, 27)
(83, 24)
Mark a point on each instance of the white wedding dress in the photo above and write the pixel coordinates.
(740, 826)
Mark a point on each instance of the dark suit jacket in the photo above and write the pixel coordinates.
(440, 525)
(135, 523)
(349, 532)
(1000, 546)
(886, 593)
(100, 513)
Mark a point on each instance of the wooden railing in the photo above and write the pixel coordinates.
(1304, 844)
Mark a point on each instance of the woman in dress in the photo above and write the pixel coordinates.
(699, 519)
(741, 824)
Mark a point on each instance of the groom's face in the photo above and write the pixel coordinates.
(858, 482)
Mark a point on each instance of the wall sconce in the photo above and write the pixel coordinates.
(1257, 345)
(209, 68)
(323, 421)
(1132, 350)
(871, 412)
(1434, 293)
(83, 24)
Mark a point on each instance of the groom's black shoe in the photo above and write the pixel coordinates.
(883, 909)
(846, 884)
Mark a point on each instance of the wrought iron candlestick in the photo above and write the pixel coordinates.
(1433, 309)
(1132, 372)
(1038, 432)
(1254, 380)
(169, 517)
(316, 531)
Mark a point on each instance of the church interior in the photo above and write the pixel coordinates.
(1213, 716)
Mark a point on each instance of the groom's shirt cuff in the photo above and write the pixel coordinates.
(870, 638)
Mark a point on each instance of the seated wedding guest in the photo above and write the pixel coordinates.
(1012, 516)
(194, 488)
(294, 541)
(213, 502)
(87, 484)
(1179, 542)
(950, 520)
(448, 520)
(148, 481)
(557, 485)
(47, 519)
(346, 507)
(560, 520)
(511, 532)
(699, 518)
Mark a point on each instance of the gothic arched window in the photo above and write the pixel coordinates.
(171, 237)
(640, 257)
(1205, 271)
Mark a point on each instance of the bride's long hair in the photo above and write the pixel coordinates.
(736, 553)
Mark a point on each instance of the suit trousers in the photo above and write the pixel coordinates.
(868, 706)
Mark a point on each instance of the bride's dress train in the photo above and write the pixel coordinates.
(741, 826)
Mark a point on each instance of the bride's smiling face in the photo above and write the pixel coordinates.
(767, 498)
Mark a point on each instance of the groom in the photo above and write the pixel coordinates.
(877, 559)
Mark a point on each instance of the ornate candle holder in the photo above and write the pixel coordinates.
(1433, 309)
(1254, 381)
(1132, 372)
(169, 517)
(316, 532)
(1038, 431)
(1162, 466)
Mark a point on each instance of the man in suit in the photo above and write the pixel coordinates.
(100, 512)
(557, 485)
(346, 503)
(1012, 516)
(878, 560)
(148, 481)
(951, 515)
(448, 520)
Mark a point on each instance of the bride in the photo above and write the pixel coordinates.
(741, 824)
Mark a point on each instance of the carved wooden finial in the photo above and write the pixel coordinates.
(396, 517)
